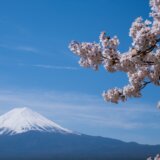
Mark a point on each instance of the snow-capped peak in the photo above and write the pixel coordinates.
(20, 120)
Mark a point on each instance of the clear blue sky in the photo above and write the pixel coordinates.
(37, 69)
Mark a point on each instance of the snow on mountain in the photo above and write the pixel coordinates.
(20, 120)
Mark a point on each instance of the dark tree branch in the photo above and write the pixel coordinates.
(148, 50)
(145, 84)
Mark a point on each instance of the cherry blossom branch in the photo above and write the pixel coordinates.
(141, 62)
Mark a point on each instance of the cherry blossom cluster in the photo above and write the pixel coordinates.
(90, 53)
(141, 62)
(157, 157)
(142, 34)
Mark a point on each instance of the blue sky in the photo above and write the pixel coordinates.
(38, 70)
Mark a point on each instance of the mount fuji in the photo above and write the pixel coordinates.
(20, 120)
(27, 135)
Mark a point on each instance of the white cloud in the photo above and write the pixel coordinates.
(87, 109)
(54, 67)
(26, 49)
(20, 48)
